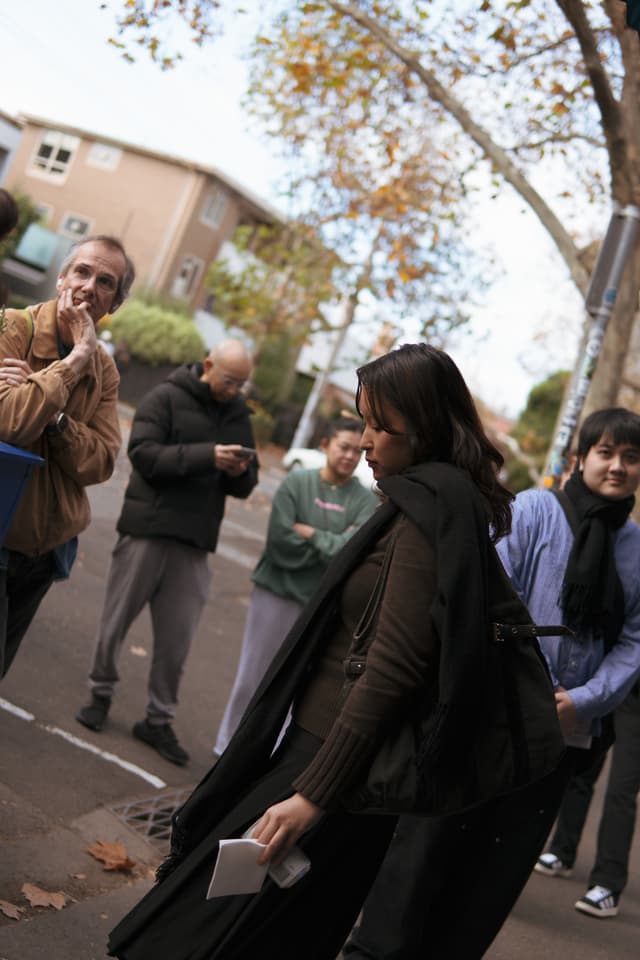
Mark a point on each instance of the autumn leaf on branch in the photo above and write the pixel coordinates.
(542, 97)
(151, 24)
(113, 856)
(10, 910)
(274, 283)
(38, 897)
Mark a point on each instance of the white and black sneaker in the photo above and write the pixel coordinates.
(552, 866)
(598, 902)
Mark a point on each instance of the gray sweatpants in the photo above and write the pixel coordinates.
(269, 620)
(173, 578)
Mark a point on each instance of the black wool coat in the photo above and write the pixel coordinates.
(420, 493)
(175, 489)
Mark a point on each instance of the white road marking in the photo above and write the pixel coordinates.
(16, 711)
(109, 757)
(239, 529)
(84, 745)
(236, 556)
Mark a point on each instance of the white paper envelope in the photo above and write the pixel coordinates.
(236, 870)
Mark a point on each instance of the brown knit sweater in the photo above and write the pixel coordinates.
(402, 663)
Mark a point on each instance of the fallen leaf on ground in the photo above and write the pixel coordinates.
(10, 910)
(113, 855)
(78, 876)
(138, 651)
(38, 897)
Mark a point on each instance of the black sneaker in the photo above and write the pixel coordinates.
(162, 738)
(94, 715)
(598, 902)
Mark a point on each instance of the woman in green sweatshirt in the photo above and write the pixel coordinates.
(314, 512)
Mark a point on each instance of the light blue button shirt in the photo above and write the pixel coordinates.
(535, 556)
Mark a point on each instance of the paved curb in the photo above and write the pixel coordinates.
(54, 857)
(78, 932)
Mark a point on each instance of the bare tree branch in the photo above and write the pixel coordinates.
(495, 153)
(557, 138)
(610, 113)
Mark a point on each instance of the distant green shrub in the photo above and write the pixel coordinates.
(155, 335)
(155, 298)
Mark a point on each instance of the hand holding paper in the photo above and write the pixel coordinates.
(281, 826)
(237, 870)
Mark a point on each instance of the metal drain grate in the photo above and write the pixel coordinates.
(151, 816)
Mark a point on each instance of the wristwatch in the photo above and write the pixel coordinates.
(60, 425)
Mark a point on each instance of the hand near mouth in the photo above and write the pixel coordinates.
(76, 325)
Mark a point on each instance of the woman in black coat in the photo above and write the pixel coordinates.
(400, 628)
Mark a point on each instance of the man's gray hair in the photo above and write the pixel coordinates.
(129, 274)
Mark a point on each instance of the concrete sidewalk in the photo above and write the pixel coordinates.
(39, 850)
(57, 799)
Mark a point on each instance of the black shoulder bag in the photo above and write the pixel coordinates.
(516, 739)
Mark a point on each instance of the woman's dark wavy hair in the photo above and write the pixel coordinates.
(424, 385)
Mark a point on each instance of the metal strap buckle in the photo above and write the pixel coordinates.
(354, 666)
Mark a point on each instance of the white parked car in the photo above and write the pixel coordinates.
(310, 458)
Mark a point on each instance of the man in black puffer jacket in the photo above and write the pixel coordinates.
(191, 445)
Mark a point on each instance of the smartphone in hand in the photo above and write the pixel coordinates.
(244, 452)
(294, 867)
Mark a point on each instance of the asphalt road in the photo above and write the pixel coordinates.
(62, 787)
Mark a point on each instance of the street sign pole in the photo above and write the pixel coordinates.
(617, 246)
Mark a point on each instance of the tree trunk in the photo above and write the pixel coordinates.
(304, 430)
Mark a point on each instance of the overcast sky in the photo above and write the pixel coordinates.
(56, 64)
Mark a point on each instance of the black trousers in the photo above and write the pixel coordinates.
(23, 585)
(574, 809)
(448, 884)
(309, 921)
(617, 823)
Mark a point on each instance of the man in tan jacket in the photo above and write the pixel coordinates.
(58, 399)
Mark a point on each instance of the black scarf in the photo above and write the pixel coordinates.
(444, 503)
(592, 595)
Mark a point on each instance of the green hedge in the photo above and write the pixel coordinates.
(156, 335)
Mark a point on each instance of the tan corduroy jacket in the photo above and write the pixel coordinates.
(54, 506)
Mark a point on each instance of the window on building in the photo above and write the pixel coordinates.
(37, 247)
(76, 226)
(214, 207)
(187, 277)
(55, 153)
(104, 156)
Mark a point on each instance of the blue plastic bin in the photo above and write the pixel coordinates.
(15, 468)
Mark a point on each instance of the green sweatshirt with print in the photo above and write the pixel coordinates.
(291, 566)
